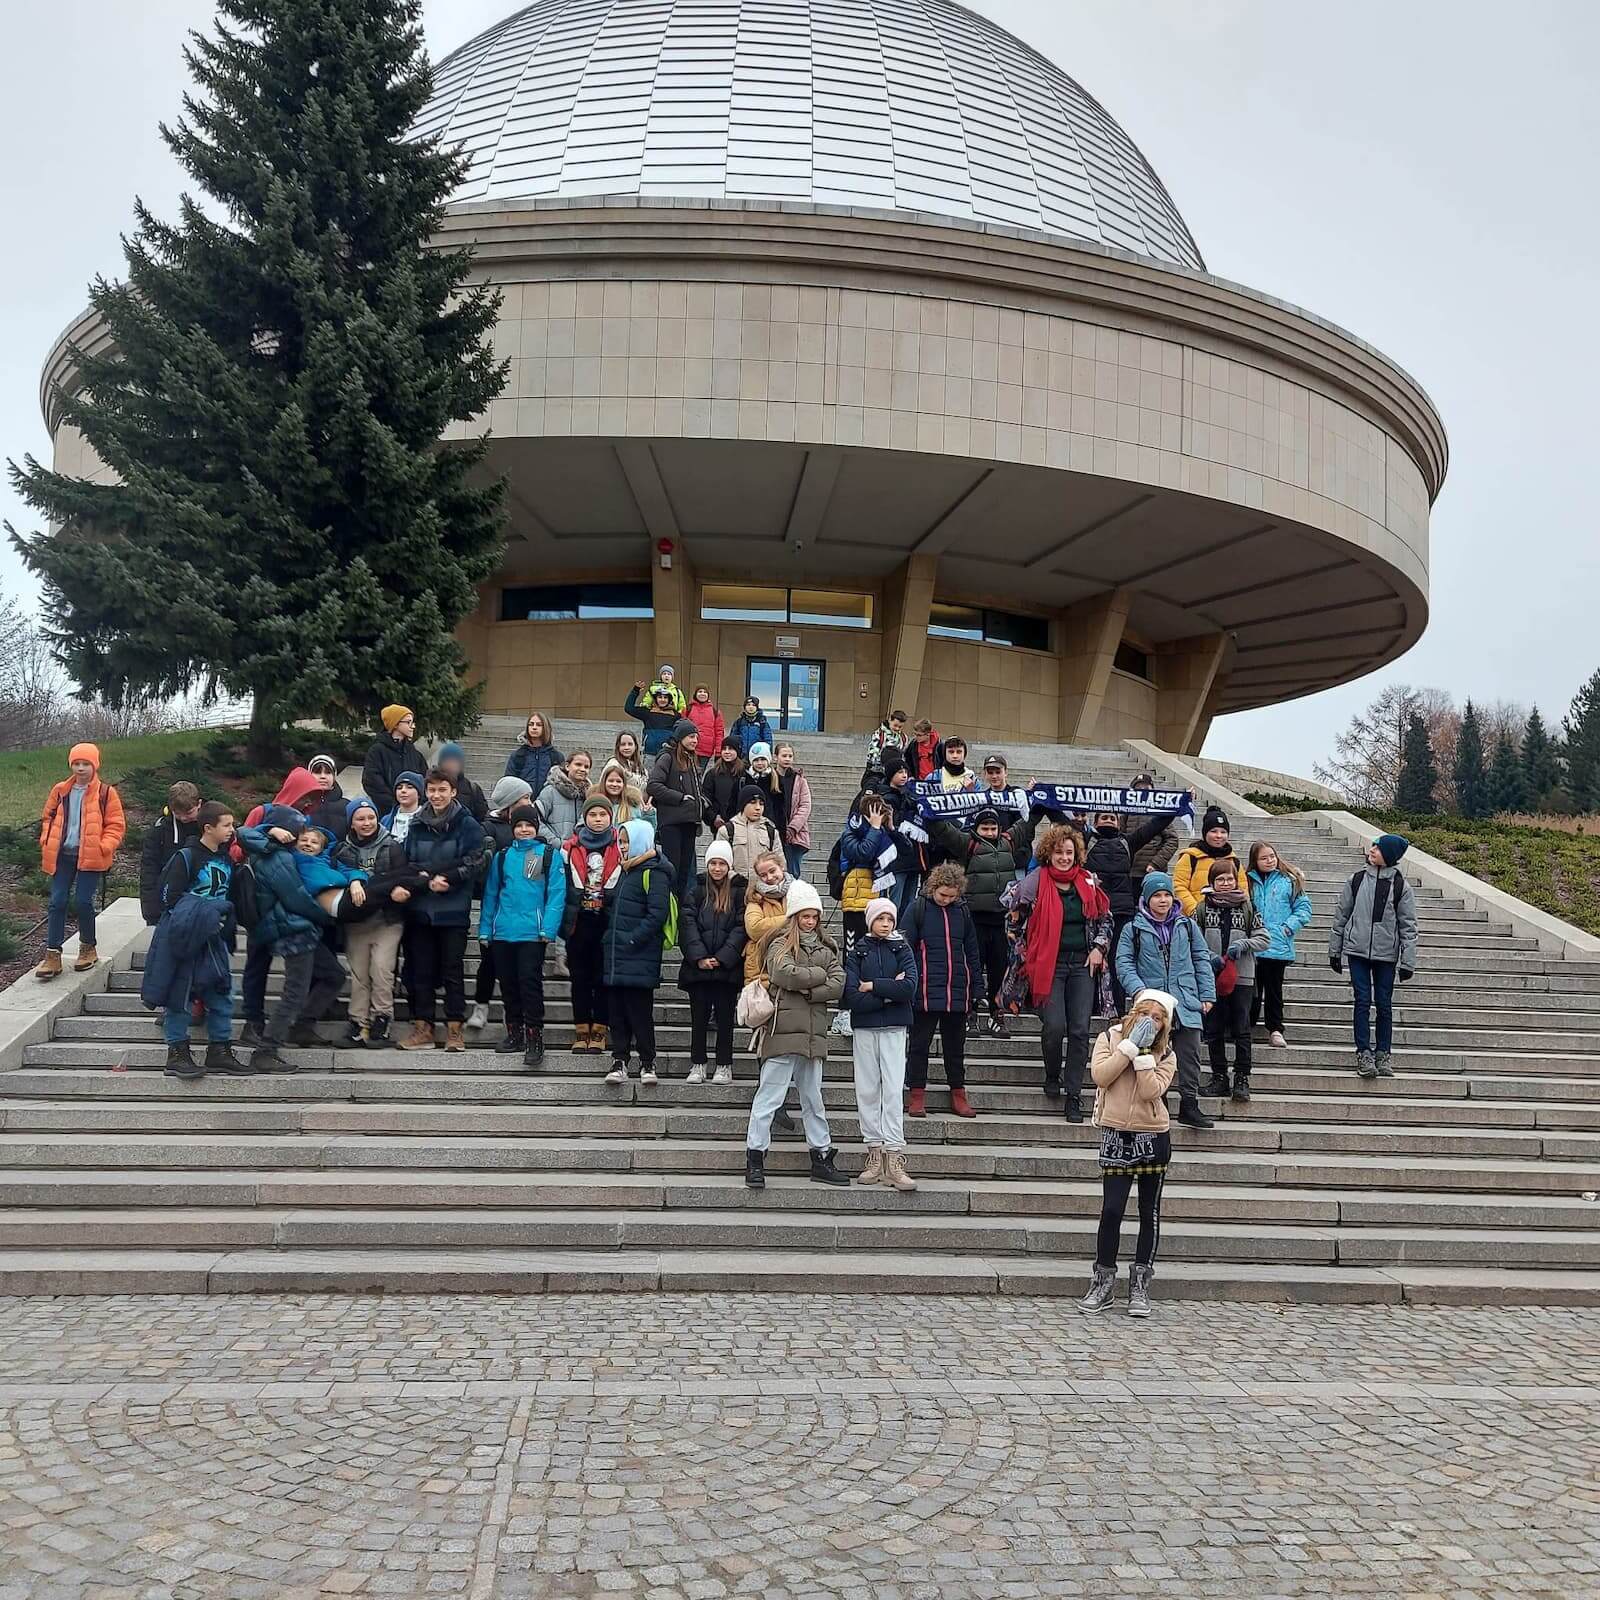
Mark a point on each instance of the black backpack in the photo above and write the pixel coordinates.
(836, 871)
(243, 898)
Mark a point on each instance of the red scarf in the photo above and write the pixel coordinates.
(1044, 925)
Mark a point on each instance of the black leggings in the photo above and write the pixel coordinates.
(586, 963)
(708, 1001)
(1269, 992)
(1115, 1188)
(994, 952)
(952, 1026)
(633, 1024)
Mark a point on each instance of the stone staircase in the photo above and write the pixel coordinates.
(1462, 1179)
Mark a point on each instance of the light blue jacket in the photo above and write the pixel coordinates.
(518, 909)
(1182, 967)
(1281, 909)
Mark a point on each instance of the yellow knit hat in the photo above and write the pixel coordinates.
(393, 716)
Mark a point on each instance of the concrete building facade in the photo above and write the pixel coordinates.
(858, 358)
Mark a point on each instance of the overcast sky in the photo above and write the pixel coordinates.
(1421, 173)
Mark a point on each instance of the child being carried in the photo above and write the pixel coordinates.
(340, 891)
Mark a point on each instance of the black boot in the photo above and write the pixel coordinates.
(181, 1062)
(1191, 1116)
(755, 1169)
(1073, 1110)
(513, 1043)
(1219, 1084)
(220, 1058)
(354, 1036)
(533, 1055)
(253, 1036)
(1052, 1086)
(782, 1120)
(270, 1059)
(822, 1168)
(305, 1035)
(378, 1033)
(1241, 1085)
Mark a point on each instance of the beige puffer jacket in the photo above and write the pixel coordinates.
(1124, 1096)
(804, 986)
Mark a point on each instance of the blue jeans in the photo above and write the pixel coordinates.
(219, 1018)
(1373, 982)
(61, 887)
(904, 892)
(793, 855)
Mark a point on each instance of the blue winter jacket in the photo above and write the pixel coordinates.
(290, 918)
(449, 847)
(518, 909)
(532, 763)
(889, 966)
(1182, 967)
(188, 954)
(749, 732)
(1283, 912)
(944, 945)
(632, 948)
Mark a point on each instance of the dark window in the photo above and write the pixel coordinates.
(575, 602)
(947, 621)
(1128, 659)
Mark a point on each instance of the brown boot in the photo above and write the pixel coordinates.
(455, 1036)
(580, 1038)
(895, 1174)
(50, 967)
(420, 1037)
(873, 1171)
(87, 960)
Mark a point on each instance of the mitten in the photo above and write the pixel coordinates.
(1144, 1063)
(1143, 1033)
(1236, 948)
(1336, 963)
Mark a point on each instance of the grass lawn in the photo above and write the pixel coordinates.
(26, 776)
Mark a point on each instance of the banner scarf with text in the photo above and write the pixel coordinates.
(1076, 799)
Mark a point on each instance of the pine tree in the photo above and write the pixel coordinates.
(1581, 736)
(1541, 765)
(1471, 781)
(283, 522)
(1507, 787)
(1417, 788)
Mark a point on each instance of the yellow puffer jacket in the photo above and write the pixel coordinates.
(858, 893)
(762, 913)
(1191, 873)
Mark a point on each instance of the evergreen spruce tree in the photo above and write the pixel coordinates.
(1416, 789)
(1581, 737)
(1508, 790)
(1471, 780)
(1541, 764)
(280, 368)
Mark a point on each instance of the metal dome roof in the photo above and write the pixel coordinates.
(914, 105)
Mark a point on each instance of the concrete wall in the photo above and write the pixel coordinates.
(1129, 711)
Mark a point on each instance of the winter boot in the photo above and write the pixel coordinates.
(1191, 1116)
(1383, 1063)
(1073, 1109)
(181, 1062)
(50, 967)
(1139, 1291)
(755, 1169)
(1219, 1084)
(894, 1172)
(917, 1103)
(1366, 1064)
(253, 1035)
(960, 1104)
(1241, 1086)
(88, 958)
(873, 1171)
(420, 1037)
(1052, 1086)
(455, 1040)
(514, 1042)
(533, 1054)
(270, 1059)
(220, 1058)
(1102, 1287)
(304, 1036)
(824, 1171)
(378, 1034)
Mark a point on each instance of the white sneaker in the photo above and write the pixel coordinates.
(697, 1074)
(723, 1075)
(648, 1077)
(1278, 1042)
(618, 1074)
(478, 1019)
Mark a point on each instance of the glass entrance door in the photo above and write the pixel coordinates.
(792, 693)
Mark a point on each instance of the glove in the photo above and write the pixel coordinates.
(1404, 974)
(1144, 1063)
(1336, 962)
(1143, 1033)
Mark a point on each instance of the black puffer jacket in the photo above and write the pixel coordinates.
(1111, 859)
(387, 758)
(704, 931)
(675, 790)
(944, 945)
(991, 865)
(163, 839)
(632, 943)
(721, 786)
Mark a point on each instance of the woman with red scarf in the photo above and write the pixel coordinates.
(1058, 920)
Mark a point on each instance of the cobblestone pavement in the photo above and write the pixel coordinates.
(867, 1448)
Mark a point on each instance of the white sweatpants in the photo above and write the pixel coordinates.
(880, 1062)
(776, 1074)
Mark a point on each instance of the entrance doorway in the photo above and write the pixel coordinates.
(792, 693)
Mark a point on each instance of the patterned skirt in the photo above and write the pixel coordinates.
(1132, 1154)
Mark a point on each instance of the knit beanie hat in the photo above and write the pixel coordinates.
(598, 802)
(749, 792)
(507, 792)
(415, 780)
(393, 716)
(720, 850)
(666, 674)
(322, 761)
(1215, 817)
(640, 837)
(988, 814)
(760, 751)
(893, 762)
(1161, 998)
(879, 908)
(1391, 847)
(450, 751)
(1154, 883)
(682, 728)
(524, 811)
(360, 803)
(801, 897)
(84, 752)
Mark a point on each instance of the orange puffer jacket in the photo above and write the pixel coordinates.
(101, 825)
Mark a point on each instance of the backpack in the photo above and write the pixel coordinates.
(836, 871)
(669, 933)
(243, 898)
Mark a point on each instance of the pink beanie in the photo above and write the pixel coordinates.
(877, 908)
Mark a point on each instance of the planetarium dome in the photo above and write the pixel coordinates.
(910, 105)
